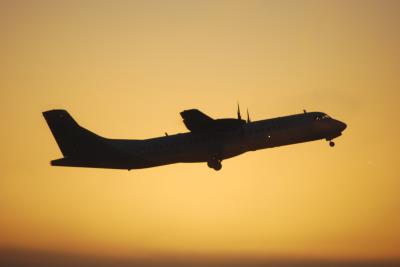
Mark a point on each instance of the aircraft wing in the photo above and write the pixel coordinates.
(195, 120)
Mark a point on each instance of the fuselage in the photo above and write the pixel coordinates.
(223, 144)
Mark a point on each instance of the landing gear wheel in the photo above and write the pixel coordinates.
(331, 144)
(214, 164)
(218, 166)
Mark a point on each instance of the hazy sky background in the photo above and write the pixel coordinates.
(125, 69)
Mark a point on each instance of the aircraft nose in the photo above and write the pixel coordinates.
(341, 126)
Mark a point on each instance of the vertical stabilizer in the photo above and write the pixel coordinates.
(73, 140)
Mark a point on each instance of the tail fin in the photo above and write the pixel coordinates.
(73, 140)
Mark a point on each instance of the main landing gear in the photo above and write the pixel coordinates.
(214, 164)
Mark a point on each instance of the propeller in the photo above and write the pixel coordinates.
(239, 116)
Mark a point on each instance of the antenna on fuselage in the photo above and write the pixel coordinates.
(305, 111)
(248, 116)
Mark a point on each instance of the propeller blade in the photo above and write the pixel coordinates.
(238, 112)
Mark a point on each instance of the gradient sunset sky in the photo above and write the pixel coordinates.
(125, 69)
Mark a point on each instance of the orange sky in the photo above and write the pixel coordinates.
(137, 64)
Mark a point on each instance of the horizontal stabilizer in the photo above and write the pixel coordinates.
(94, 163)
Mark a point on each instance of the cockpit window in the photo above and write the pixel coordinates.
(321, 117)
(325, 117)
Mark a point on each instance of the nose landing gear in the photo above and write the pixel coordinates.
(214, 164)
(331, 143)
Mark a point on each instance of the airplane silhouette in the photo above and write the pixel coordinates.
(209, 140)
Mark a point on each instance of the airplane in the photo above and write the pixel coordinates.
(208, 140)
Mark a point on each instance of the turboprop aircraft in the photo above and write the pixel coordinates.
(208, 140)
